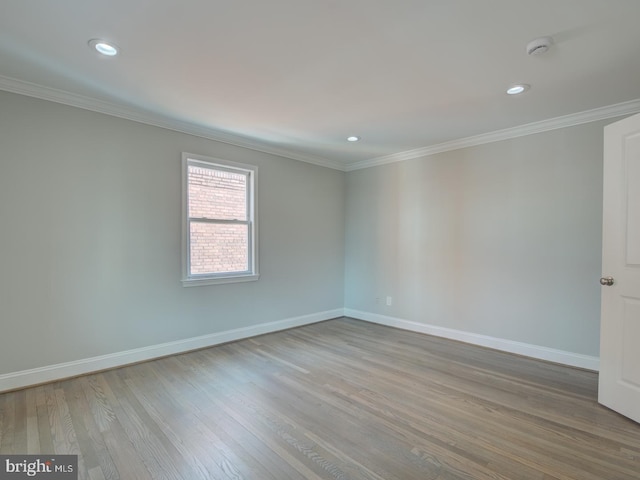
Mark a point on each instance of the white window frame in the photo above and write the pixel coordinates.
(251, 171)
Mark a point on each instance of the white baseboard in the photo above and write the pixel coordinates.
(35, 376)
(528, 350)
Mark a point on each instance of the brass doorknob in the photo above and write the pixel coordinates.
(606, 281)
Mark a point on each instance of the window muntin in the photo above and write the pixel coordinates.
(219, 228)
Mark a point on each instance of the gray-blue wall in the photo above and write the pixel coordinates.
(90, 212)
(502, 239)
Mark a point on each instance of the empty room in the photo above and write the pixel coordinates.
(305, 239)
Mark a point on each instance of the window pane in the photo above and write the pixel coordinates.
(217, 248)
(217, 194)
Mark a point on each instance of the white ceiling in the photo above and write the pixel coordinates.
(297, 77)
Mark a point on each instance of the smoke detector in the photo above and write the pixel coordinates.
(539, 45)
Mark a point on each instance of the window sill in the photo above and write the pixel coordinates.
(197, 282)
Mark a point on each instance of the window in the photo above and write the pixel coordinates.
(219, 229)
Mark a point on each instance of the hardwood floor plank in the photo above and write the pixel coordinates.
(63, 429)
(403, 429)
(44, 428)
(125, 457)
(20, 422)
(7, 415)
(99, 406)
(336, 400)
(257, 453)
(96, 473)
(501, 418)
(128, 462)
(198, 446)
(158, 455)
(92, 446)
(33, 435)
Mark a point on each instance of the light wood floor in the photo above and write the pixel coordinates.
(341, 399)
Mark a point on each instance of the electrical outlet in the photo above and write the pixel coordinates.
(389, 301)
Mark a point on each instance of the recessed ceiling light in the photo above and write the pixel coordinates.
(105, 48)
(518, 89)
(353, 138)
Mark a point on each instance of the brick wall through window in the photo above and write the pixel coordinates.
(220, 195)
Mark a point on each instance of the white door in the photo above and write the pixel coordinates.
(619, 387)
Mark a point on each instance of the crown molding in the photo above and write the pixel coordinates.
(602, 113)
(141, 116)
